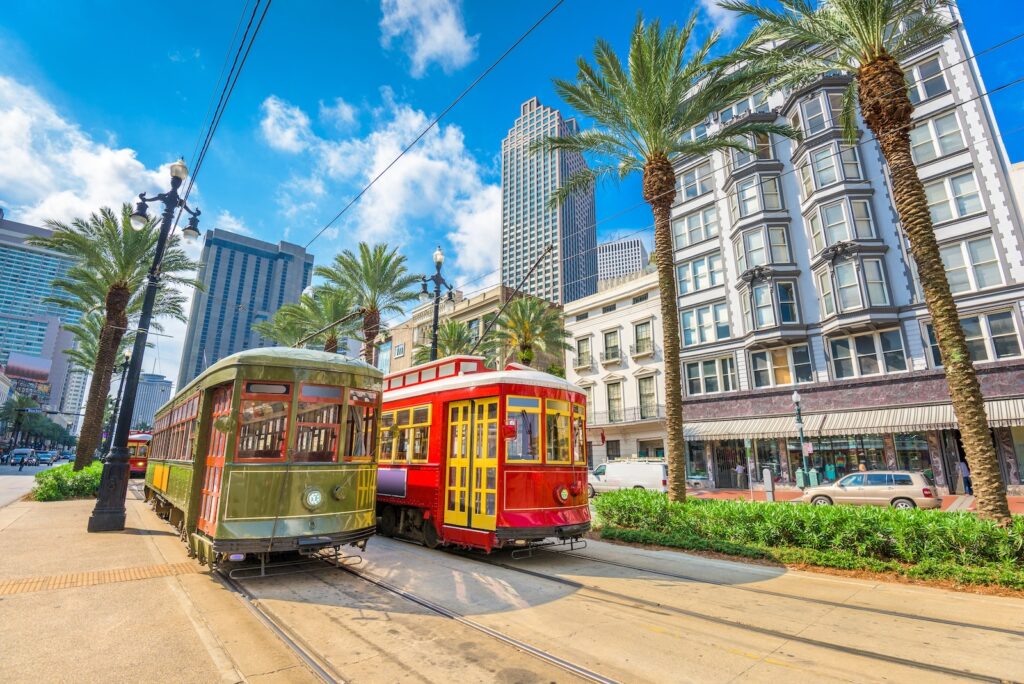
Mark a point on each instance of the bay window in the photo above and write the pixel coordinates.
(760, 145)
(696, 181)
(935, 138)
(752, 251)
(704, 324)
(770, 304)
(700, 273)
(696, 227)
(953, 197)
(781, 366)
(990, 337)
(711, 376)
(971, 265)
(756, 194)
(831, 223)
(926, 80)
(874, 280)
(869, 354)
(847, 286)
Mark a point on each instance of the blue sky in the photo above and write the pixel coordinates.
(96, 98)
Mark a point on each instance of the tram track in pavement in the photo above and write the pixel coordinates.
(792, 597)
(655, 607)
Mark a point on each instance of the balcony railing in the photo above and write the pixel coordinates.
(583, 362)
(611, 355)
(630, 414)
(642, 348)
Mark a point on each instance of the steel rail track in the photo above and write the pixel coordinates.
(304, 651)
(649, 606)
(437, 609)
(779, 594)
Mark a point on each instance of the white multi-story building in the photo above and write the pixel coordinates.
(618, 258)
(793, 273)
(620, 366)
(529, 225)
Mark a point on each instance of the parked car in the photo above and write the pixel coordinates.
(614, 475)
(897, 488)
(29, 455)
(46, 457)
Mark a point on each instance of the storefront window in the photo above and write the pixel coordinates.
(834, 457)
(912, 451)
(767, 453)
(696, 461)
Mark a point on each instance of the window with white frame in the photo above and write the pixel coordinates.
(760, 145)
(926, 80)
(831, 223)
(615, 406)
(703, 324)
(848, 287)
(814, 117)
(971, 265)
(953, 197)
(700, 273)
(648, 397)
(399, 350)
(696, 227)
(936, 138)
(829, 165)
(696, 181)
(874, 282)
(711, 376)
(771, 304)
(990, 337)
(643, 337)
(870, 354)
(759, 193)
(752, 250)
(583, 355)
(781, 366)
(611, 345)
(828, 302)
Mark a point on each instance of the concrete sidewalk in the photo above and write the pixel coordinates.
(122, 607)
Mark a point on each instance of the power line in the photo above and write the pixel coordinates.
(434, 122)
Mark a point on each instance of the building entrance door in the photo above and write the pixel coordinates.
(728, 454)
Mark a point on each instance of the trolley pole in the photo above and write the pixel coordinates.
(109, 513)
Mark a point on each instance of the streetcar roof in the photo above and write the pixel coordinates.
(512, 376)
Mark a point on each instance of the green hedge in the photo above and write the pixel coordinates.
(917, 543)
(62, 482)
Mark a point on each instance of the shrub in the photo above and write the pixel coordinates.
(959, 546)
(62, 482)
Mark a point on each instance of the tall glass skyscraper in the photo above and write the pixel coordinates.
(528, 225)
(245, 281)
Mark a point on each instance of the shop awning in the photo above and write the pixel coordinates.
(1005, 412)
(769, 426)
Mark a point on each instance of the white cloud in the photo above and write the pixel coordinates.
(724, 20)
(339, 113)
(228, 221)
(437, 186)
(433, 31)
(51, 169)
(285, 127)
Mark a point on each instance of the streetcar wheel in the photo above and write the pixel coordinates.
(590, 491)
(430, 539)
(387, 521)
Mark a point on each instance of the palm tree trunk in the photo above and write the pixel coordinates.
(887, 110)
(113, 330)
(659, 186)
(371, 326)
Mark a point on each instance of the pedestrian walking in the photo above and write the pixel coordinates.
(741, 480)
(965, 475)
(21, 463)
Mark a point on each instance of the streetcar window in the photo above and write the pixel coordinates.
(446, 370)
(411, 378)
(387, 437)
(428, 374)
(524, 413)
(579, 434)
(320, 392)
(394, 383)
(265, 388)
(557, 426)
(263, 429)
(361, 425)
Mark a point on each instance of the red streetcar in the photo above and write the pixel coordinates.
(481, 458)
(138, 451)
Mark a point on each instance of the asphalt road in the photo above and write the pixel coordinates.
(15, 484)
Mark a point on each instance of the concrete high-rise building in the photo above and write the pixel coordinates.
(619, 258)
(246, 281)
(32, 338)
(154, 391)
(528, 225)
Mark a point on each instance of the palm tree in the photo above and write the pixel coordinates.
(379, 282)
(111, 263)
(868, 38)
(529, 325)
(453, 338)
(13, 415)
(314, 311)
(643, 115)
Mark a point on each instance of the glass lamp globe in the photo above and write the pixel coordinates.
(179, 170)
(438, 256)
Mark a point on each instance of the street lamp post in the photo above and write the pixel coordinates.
(109, 513)
(123, 370)
(800, 432)
(438, 281)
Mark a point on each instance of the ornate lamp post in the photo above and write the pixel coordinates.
(800, 432)
(123, 370)
(109, 513)
(438, 281)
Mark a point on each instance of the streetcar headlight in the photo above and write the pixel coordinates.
(312, 498)
(562, 494)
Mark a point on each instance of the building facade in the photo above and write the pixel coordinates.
(153, 392)
(619, 258)
(794, 274)
(529, 225)
(245, 281)
(620, 367)
(32, 337)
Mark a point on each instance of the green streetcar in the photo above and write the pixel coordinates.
(269, 450)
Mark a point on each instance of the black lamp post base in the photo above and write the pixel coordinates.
(106, 521)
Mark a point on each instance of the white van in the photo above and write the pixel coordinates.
(614, 475)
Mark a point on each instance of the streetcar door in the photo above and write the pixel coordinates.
(456, 510)
(485, 464)
(214, 466)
